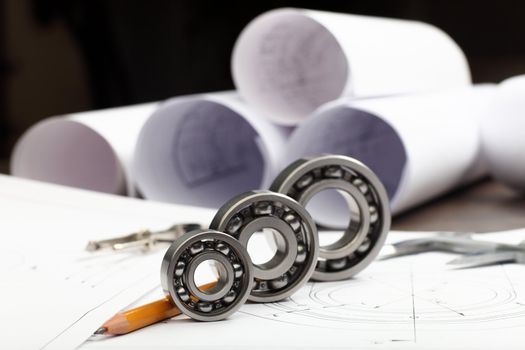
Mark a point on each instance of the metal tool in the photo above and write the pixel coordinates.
(490, 258)
(296, 240)
(370, 221)
(235, 274)
(475, 252)
(144, 239)
(447, 242)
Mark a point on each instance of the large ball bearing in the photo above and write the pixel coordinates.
(234, 267)
(295, 238)
(370, 222)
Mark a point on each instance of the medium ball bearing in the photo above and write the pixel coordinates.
(295, 236)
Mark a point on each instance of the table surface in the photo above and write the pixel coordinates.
(482, 207)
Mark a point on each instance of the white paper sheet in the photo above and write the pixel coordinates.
(53, 294)
(408, 302)
(205, 149)
(287, 62)
(91, 150)
(503, 133)
(420, 146)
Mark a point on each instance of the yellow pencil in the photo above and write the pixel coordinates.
(142, 316)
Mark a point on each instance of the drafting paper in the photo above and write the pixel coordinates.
(288, 62)
(420, 146)
(90, 150)
(504, 133)
(53, 294)
(411, 302)
(205, 149)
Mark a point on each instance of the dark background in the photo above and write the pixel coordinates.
(60, 56)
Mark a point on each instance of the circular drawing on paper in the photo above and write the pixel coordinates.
(430, 301)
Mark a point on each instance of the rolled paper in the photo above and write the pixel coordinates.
(503, 134)
(90, 150)
(204, 149)
(287, 62)
(420, 146)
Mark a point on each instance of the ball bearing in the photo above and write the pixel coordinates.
(234, 270)
(295, 236)
(370, 221)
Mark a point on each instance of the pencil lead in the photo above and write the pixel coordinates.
(100, 331)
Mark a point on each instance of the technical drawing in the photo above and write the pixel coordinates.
(402, 298)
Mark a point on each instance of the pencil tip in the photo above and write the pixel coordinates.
(100, 331)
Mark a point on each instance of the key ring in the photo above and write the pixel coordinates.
(295, 237)
(367, 230)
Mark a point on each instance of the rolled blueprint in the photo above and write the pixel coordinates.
(504, 133)
(204, 149)
(420, 146)
(288, 62)
(90, 150)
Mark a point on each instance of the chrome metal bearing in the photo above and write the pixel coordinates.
(234, 270)
(370, 216)
(295, 235)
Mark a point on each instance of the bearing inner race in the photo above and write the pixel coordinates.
(357, 230)
(225, 276)
(286, 246)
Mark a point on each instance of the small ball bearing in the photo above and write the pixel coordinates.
(295, 236)
(234, 267)
(370, 223)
